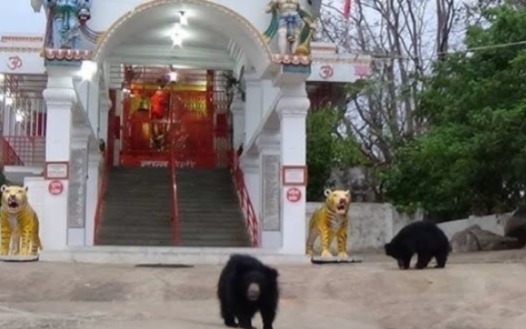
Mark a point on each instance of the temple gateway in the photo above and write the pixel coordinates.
(166, 122)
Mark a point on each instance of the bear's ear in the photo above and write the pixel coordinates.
(348, 193)
(327, 192)
(273, 272)
(3, 188)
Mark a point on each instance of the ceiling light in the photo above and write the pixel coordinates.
(19, 116)
(177, 40)
(172, 76)
(177, 28)
(8, 101)
(88, 70)
(183, 19)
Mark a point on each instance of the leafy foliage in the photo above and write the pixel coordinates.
(326, 149)
(473, 158)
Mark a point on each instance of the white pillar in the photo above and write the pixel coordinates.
(253, 105)
(92, 105)
(60, 98)
(104, 108)
(268, 144)
(292, 109)
(238, 120)
(250, 167)
(92, 195)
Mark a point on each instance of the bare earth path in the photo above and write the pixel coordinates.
(476, 291)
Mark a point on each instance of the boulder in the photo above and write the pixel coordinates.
(474, 238)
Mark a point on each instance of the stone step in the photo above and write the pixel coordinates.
(223, 208)
(132, 242)
(137, 222)
(208, 208)
(203, 220)
(203, 243)
(136, 235)
(194, 255)
(200, 222)
(137, 209)
(136, 229)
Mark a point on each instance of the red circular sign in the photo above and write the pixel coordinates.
(55, 187)
(293, 194)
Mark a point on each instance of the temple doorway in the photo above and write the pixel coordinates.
(174, 116)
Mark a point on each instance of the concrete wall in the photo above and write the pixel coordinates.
(492, 223)
(374, 224)
(371, 224)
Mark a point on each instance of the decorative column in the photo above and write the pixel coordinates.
(268, 144)
(292, 109)
(60, 98)
(238, 120)
(253, 104)
(104, 108)
(250, 167)
(92, 100)
(92, 195)
(77, 186)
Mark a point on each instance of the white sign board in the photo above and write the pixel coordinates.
(20, 53)
(339, 68)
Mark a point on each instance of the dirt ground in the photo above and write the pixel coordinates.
(475, 291)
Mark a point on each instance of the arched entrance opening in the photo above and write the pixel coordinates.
(174, 59)
(169, 63)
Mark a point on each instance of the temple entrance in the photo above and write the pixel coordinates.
(178, 117)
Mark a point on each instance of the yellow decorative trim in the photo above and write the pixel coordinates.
(19, 50)
(341, 60)
(173, 87)
(322, 48)
(18, 38)
(104, 38)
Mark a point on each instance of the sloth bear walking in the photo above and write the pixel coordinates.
(425, 239)
(246, 286)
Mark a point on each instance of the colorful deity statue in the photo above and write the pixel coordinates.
(66, 18)
(293, 25)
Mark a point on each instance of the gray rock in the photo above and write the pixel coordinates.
(474, 238)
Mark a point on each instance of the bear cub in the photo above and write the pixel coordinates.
(245, 287)
(423, 238)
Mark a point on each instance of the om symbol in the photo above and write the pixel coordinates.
(326, 71)
(14, 62)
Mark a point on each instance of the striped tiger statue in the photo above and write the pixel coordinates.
(19, 224)
(328, 221)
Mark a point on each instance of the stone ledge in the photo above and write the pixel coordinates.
(166, 255)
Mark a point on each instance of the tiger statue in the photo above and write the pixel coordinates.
(329, 220)
(19, 223)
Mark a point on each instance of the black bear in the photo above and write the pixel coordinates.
(245, 287)
(425, 239)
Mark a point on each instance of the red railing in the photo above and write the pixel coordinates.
(175, 209)
(9, 157)
(244, 200)
(23, 150)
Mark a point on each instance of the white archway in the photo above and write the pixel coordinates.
(219, 19)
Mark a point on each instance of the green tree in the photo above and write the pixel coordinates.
(326, 148)
(473, 157)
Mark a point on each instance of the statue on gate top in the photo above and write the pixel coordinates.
(65, 20)
(294, 26)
